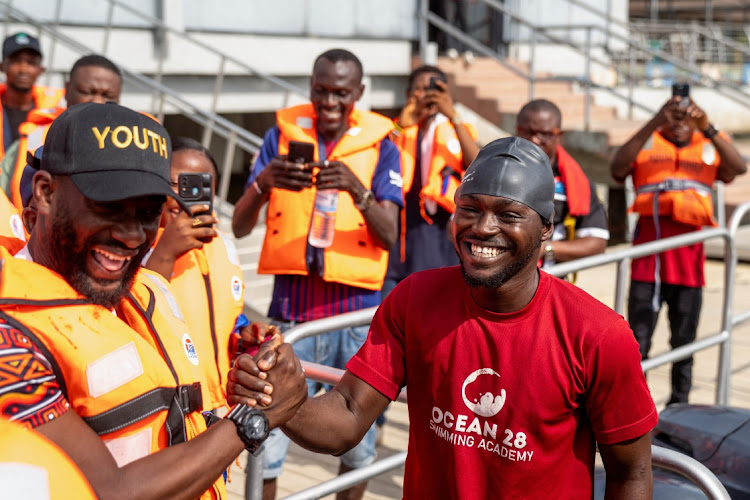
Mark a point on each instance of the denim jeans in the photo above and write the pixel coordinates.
(331, 349)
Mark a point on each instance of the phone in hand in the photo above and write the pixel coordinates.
(301, 152)
(682, 90)
(196, 189)
(432, 85)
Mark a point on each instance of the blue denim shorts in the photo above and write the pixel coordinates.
(331, 349)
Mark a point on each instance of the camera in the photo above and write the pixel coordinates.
(196, 189)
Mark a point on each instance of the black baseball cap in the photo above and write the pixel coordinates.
(516, 169)
(110, 152)
(20, 41)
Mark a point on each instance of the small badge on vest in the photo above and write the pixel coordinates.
(190, 352)
(236, 288)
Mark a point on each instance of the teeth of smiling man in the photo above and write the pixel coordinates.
(484, 251)
(110, 261)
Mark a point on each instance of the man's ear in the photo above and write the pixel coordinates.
(67, 89)
(42, 191)
(547, 230)
(361, 91)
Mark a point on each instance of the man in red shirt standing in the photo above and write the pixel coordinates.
(514, 376)
(674, 160)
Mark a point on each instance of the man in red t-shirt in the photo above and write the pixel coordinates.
(674, 160)
(514, 376)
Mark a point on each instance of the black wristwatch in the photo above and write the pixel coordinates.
(252, 426)
(710, 131)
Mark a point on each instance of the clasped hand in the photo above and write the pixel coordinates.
(272, 379)
(282, 174)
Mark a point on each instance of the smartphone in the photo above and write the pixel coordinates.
(682, 90)
(301, 152)
(432, 85)
(196, 189)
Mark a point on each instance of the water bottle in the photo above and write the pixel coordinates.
(324, 218)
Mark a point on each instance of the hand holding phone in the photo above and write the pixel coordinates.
(301, 152)
(196, 189)
(682, 90)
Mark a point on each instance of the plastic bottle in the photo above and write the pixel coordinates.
(324, 218)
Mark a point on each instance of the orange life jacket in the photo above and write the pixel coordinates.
(32, 134)
(44, 97)
(440, 186)
(209, 288)
(134, 378)
(678, 180)
(354, 258)
(31, 466)
(577, 187)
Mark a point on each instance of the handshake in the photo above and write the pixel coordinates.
(271, 380)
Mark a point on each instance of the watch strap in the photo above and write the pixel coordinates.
(710, 131)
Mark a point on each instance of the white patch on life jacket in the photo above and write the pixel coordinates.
(236, 287)
(114, 370)
(190, 352)
(130, 448)
(354, 131)
(708, 156)
(232, 254)
(171, 300)
(453, 146)
(22, 480)
(304, 122)
(16, 226)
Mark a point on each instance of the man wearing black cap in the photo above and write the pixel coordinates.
(514, 376)
(22, 65)
(105, 338)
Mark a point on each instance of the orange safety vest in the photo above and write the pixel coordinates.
(440, 187)
(677, 180)
(32, 132)
(354, 258)
(33, 467)
(209, 288)
(134, 378)
(44, 97)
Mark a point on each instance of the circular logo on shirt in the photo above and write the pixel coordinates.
(484, 400)
(190, 352)
(16, 226)
(236, 287)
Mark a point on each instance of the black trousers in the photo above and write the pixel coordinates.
(684, 308)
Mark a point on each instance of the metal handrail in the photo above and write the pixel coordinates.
(691, 469)
(234, 134)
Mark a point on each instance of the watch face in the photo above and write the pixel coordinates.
(256, 426)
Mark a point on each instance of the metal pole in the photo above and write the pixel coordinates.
(254, 479)
(532, 51)
(631, 78)
(51, 56)
(623, 267)
(226, 169)
(424, 8)
(607, 24)
(209, 128)
(587, 98)
(108, 27)
(7, 19)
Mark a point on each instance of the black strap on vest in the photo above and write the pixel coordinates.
(179, 402)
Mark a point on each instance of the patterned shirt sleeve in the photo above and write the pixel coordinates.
(29, 392)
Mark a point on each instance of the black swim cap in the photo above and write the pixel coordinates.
(516, 169)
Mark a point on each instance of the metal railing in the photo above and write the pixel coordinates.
(636, 51)
(662, 458)
(235, 136)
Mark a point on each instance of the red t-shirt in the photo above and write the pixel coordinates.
(680, 266)
(505, 405)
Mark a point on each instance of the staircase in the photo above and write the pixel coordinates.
(497, 93)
